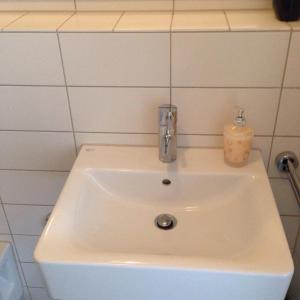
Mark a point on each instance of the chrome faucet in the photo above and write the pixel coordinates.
(167, 133)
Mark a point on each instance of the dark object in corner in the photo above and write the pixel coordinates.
(287, 10)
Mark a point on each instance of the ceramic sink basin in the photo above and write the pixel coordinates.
(102, 243)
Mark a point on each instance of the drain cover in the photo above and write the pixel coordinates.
(165, 221)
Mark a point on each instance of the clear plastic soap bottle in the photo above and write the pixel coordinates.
(237, 140)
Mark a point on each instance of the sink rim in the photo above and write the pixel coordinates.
(86, 160)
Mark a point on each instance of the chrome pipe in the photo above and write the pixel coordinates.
(288, 162)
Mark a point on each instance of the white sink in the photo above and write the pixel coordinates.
(101, 242)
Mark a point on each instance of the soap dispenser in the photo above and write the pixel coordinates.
(237, 140)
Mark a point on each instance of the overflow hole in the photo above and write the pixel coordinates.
(166, 181)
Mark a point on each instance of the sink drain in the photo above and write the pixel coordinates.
(165, 221)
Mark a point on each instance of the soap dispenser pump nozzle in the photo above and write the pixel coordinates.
(240, 119)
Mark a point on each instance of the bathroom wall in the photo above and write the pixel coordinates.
(131, 4)
(99, 77)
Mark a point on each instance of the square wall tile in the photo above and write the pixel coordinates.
(34, 187)
(36, 150)
(291, 226)
(295, 25)
(285, 197)
(39, 21)
(116, 59)
(292, 76)
(201, 141)
(33, 275)
(221, 4)
(37, 5)
(145, 21)
(27, 219)
(143, 5)
(199, 21)
(91, 21)
(137, 139)
(288, 121)
(34, 108)
(25, 245)
(281, 144)
(4, 229)
(206, 111)
(30, 59)
(6, 17)
(26, 295)
(232, 59)
(128, 110)
(263, 144)
(39, 294)
(255, 20)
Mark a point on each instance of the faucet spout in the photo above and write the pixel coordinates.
(167, 133)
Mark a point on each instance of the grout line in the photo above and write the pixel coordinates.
(25, 234)
(35, 170)
(227, 20)
(140, 133)
(297, 240)
(170, 59)
(117, 22)
(23, 204)
(35, 130)
(66, 20)
(135, 133)
(32, 235)
(67, 91)
(7, 25)
(290, 216)
(146, 86)
(146, 31)
(279, 100)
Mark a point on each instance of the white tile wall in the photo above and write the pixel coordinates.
(33, 187)
(39, 21)
(37, 5)
(124, 4)
(91, 21)
(27, 219)
(30, 59)
(221, 4)
(33, 275)
(8, 17)
(232, 59)
(39, 294)
(116, 81)
(292, 77)
(199, 21)
(145, 21)
(25, 246)
(16, 111)
(131, 4)
(116, 59)
(36, 150)
(117, 109)
(285, 198)
(291, 226)
(254, 20)
(3, 223)
(288, 122)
